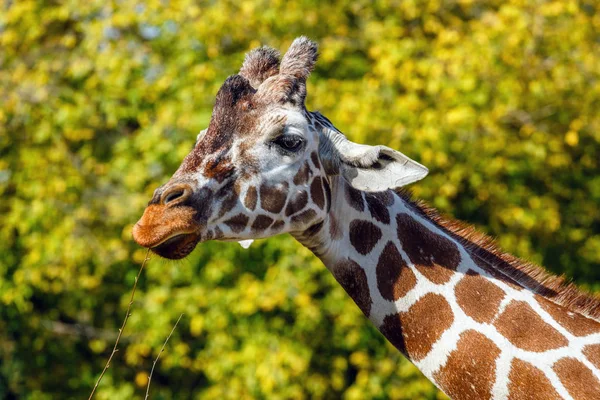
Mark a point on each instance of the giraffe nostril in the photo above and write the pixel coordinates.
(173, 196)
(178, 193)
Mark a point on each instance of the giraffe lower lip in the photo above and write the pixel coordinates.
(177, 247)
(170, 240)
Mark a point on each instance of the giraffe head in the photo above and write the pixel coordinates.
(264, 164)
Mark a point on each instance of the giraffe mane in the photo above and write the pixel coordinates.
(523, 273)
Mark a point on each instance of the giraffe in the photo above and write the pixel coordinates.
(479, 323)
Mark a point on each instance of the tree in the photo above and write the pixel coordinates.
(100, 101)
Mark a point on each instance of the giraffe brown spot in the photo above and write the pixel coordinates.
(578, 379)
(302, 175)
(251, 198)
(364, 235)
(478, 297)
(386, 197)
(495, 273)
(297, 203)
(575, 323)
(272, 198)
(219, 168)
(316, 192)
(277, 226)
(334, 228)
(261, 223)
(378, 210)
(228, 204)
(526, 382)
(592, 353)
(327, 189)
(433, 255)
(469, 374)
(228, 196)
(415, 331)
(314, 229)
(315, 159)
(354, 281)
(237, 187)
(394, 277)
(524, 328)
(304, 217)
(354, 198)
(392, 330)
(227, 189)
(424, 323)
(237, 223)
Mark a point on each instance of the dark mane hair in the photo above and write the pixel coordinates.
(489, 256)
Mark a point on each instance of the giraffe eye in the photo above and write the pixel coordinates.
(289, 143)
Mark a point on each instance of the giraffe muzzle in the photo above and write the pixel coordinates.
(170, 232)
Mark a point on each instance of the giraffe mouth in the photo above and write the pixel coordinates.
(170, 232)
(176, 246)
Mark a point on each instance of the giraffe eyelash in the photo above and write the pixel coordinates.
(289, 144)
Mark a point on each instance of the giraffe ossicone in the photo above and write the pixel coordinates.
(479, 323)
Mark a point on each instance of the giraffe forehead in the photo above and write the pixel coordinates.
(233, 138)
(235, 113)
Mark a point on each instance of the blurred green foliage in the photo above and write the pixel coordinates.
(100, 101)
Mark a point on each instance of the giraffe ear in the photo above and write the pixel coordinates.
(369, 168)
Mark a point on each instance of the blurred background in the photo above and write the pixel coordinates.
(101, 100)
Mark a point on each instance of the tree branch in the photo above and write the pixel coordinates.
(158, 356)
(122, 326)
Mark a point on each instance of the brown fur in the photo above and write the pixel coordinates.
(315, 159)
(354, 198)
(259, 65)
(316, 193)
(433, 255)
(302, 175)
(592, 353)
(272, 198)
(524, 328)
(364, 235)
(327, 189)
(277, 226)
(469, 374)
(377, 208)
(394, 278)
(237, 223)
(261, 223)
(478, 297)
(251, 198)
(422, 325)
(575, 323)
(526, 274)
(392, 330)
(334, 228)
(304, 217)
(354, 281)
(572, 374)
(526, 382)
(297, 203)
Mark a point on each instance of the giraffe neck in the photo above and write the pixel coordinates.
(469, 327)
